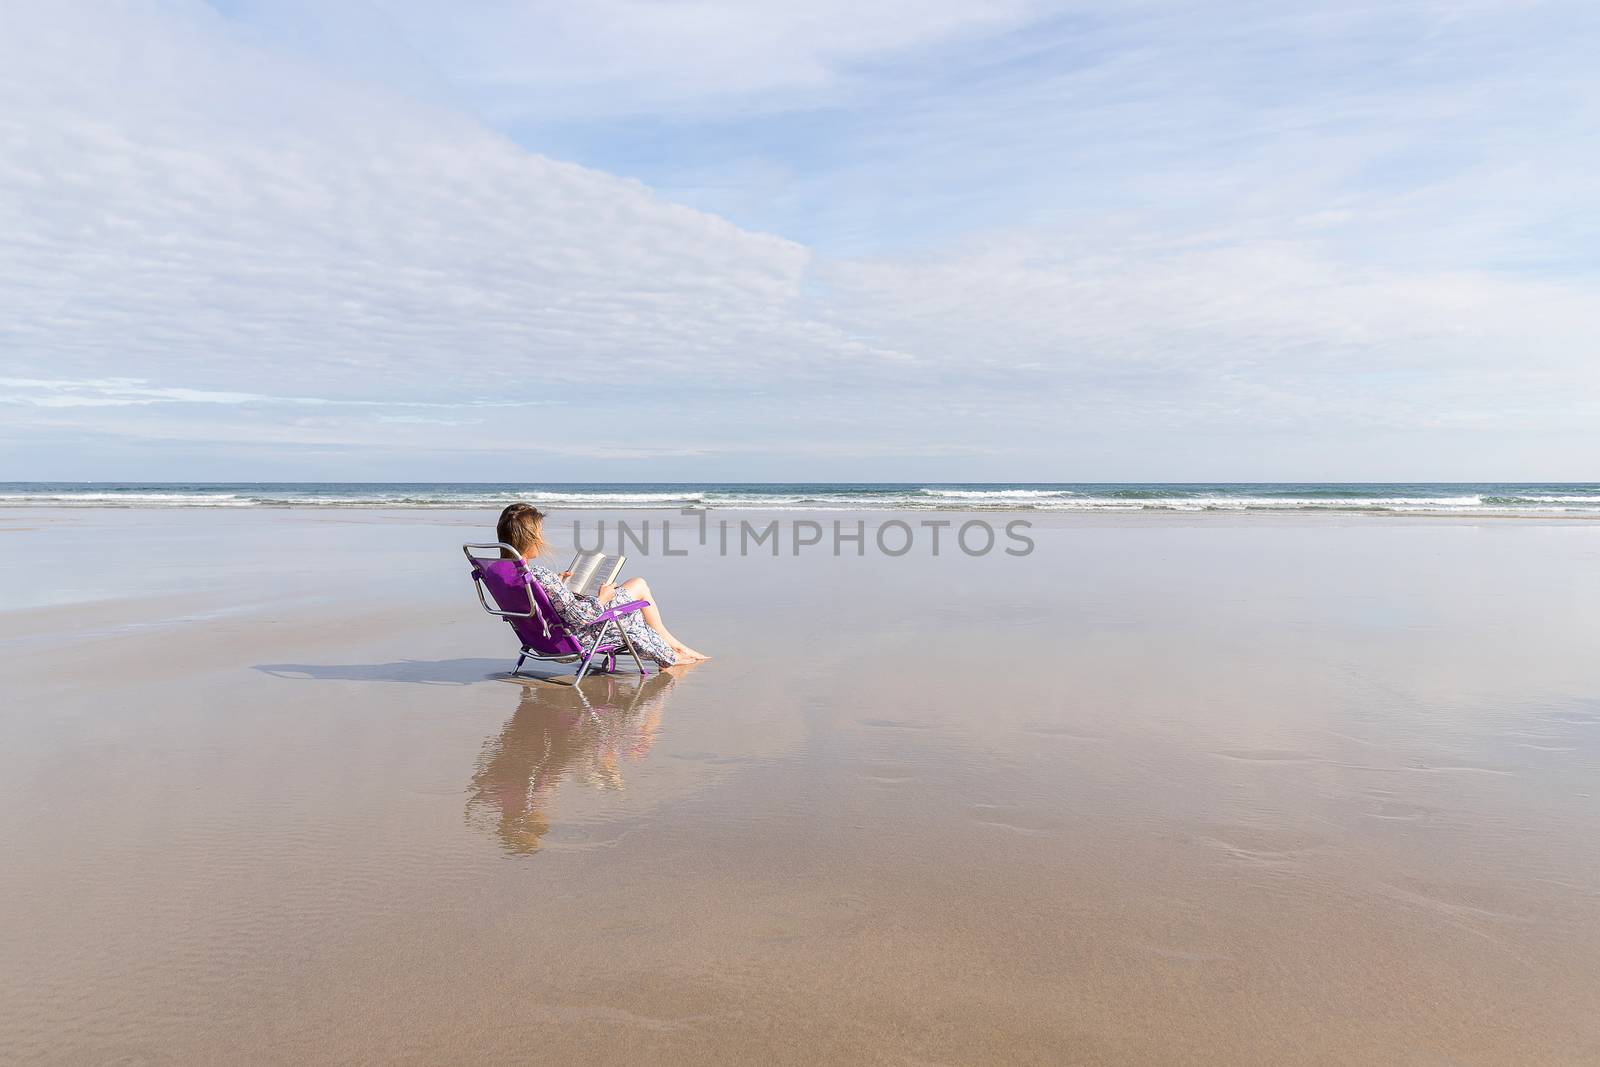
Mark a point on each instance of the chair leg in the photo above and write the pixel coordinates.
(634, 652)
(599, 639)
(520, 660)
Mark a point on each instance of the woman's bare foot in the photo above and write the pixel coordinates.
(689, 655)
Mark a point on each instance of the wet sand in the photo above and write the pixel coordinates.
(1171, 790)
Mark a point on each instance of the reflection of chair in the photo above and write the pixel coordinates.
(559, 735)
(521, 601)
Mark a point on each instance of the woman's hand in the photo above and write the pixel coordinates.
(564, 575)
(607, 591)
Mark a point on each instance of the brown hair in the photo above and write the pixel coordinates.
(521, 526)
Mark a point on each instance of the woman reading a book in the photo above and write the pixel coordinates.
(521, 526)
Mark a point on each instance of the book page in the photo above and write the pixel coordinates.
(612, 568)
(584, 567)
(591, 570)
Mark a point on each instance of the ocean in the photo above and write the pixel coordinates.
(1538, 498)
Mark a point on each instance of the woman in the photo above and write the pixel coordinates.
(521, 526)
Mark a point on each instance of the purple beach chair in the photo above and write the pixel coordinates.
(507, 589)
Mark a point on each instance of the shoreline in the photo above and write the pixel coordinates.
(1458, 498)
(1462, 513)
(17, 512)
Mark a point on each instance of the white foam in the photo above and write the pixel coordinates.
(823, 498)
(981, 494)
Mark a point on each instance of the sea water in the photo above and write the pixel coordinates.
(1415, 497)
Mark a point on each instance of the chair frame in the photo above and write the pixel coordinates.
(554, 627)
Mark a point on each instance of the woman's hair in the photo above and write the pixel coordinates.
(522, 527)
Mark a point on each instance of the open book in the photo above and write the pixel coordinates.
(591, 570)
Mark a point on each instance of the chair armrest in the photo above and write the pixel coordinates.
(619, 611)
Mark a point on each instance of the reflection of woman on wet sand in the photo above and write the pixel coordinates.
(555, 734)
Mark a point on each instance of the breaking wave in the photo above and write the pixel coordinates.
(1421, 498)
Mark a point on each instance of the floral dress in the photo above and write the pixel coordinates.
(579, 611)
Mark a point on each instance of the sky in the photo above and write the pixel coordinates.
(656, 240)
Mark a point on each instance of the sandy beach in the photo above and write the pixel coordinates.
(1172, 789)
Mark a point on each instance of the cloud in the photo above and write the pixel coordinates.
(534, 58)
(137, 392)
(200, 210)
(1241, 334)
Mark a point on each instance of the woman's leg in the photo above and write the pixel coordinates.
(639, 589)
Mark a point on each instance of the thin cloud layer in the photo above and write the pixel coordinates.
(203, 208)
(532, 59)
